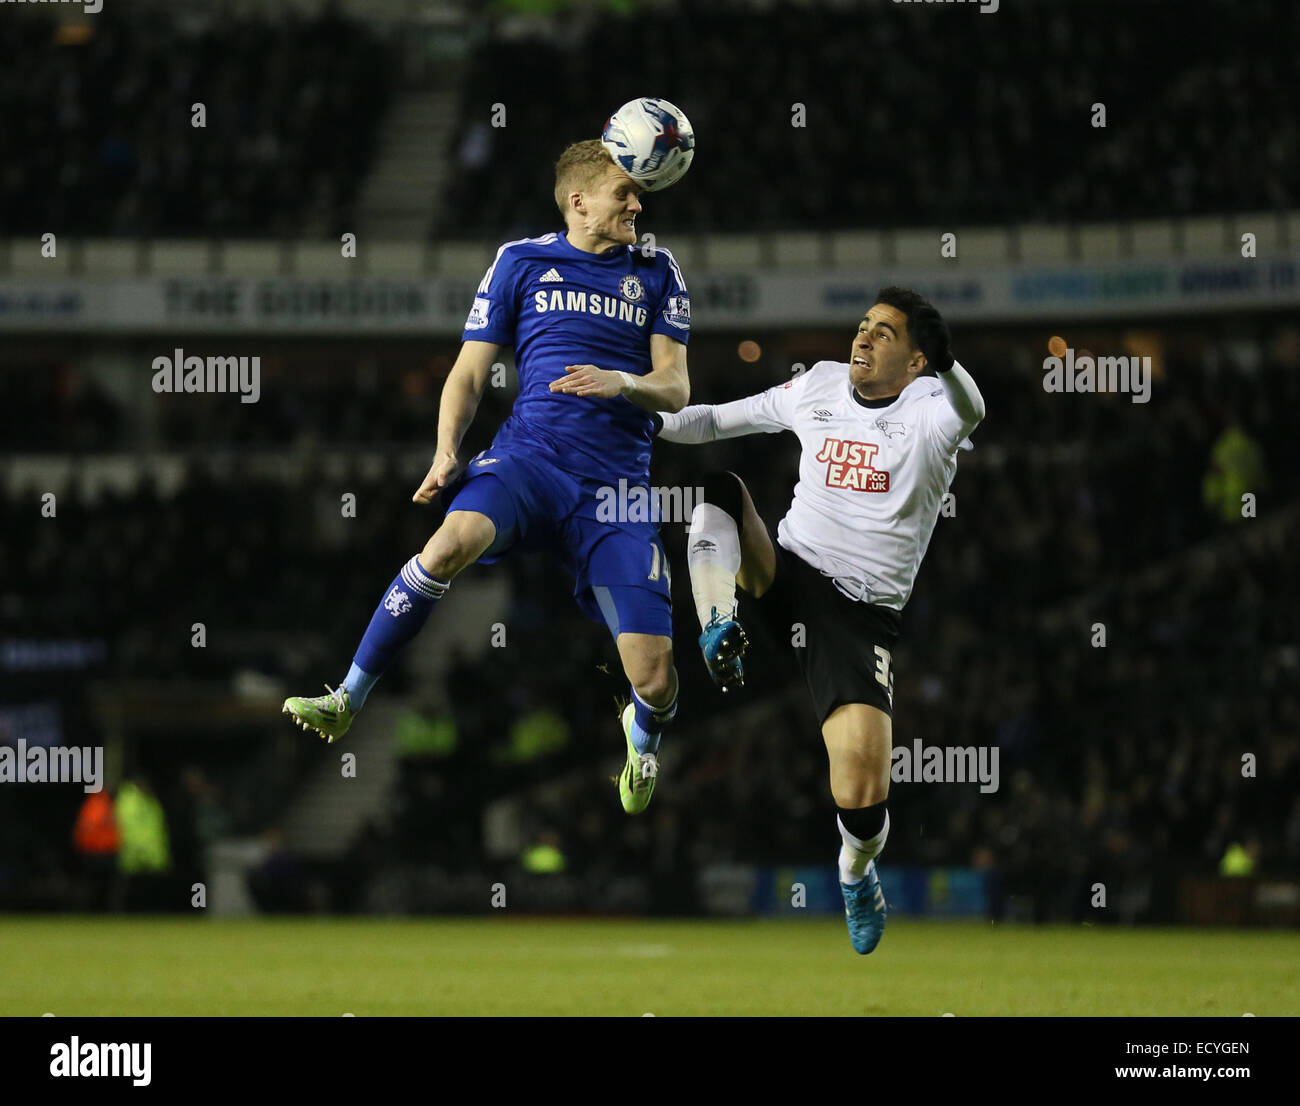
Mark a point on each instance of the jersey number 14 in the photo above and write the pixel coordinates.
(659, 563)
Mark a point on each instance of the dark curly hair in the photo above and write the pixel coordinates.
(909, 303)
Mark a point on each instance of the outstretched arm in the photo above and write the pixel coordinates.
(768, 412)
(706, 423)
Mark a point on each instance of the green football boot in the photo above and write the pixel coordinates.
(329, 715)
(637, 782)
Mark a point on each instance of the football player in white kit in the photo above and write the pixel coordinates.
(880, 437)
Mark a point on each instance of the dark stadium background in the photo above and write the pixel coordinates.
(1119, 765)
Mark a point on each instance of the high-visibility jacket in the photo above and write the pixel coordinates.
(145, 846)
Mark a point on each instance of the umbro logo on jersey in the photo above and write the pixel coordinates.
(488, 461)
(701, 545)
(549, 277)
(822, 415)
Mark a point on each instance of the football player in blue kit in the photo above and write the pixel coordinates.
(599, 327)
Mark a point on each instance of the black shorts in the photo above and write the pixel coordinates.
(845, 648)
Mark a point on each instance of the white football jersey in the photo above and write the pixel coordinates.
(871, 479)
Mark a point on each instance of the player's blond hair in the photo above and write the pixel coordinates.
(579, 170)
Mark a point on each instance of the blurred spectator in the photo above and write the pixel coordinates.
(425, 733)
(1120, 764)
(1019, 149)
(1239, 860)
(97, 843)
(537, 733)
(543, 856)
(145, 854)
(101, 139)
(1236, 467)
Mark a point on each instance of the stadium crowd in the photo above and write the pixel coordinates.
(865, 117)
(294, 106)
(1119, 763)
(108, 124)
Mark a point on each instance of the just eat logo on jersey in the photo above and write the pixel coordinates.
(848, 465)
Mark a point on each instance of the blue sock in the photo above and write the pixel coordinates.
(399, 617)
(359, 682)
(649, 723)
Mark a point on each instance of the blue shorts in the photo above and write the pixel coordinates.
(619, 568)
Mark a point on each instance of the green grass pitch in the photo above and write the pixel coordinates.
(519, 965)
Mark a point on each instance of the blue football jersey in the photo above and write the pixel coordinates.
(558, 305)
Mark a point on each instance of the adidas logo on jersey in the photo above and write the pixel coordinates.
(549, 277)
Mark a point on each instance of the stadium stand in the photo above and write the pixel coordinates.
(282, 99)
(953, 145)
(997, 646)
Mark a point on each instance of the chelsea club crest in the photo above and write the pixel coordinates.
(630, 287)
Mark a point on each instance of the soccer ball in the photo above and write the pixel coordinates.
(651, 141)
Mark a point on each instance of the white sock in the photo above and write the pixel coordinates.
(855, 854)
(713, 558)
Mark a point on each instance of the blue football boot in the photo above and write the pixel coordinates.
(723, 644)
(864, 908)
